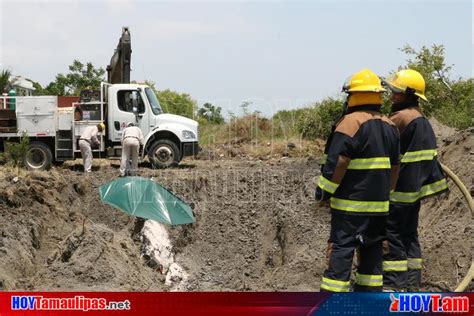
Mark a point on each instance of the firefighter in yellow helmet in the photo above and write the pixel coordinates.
(407, 82)
(420, 176)
(359, 171)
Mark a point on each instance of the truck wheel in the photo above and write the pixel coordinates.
(164, 154)
(38, 156)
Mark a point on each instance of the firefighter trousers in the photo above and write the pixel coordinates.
(348, 233)
(402, 261)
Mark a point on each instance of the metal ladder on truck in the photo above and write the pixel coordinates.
(64, 135)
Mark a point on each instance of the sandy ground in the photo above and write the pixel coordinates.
(258, 227)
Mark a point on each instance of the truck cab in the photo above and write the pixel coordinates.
(168, 138)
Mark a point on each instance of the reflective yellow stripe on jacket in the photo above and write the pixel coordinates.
(370, 163)
(365, 163)
(420, 155)
(369, 279)
(335, 285)
(411, 197)
(359, 206)
(327, 185)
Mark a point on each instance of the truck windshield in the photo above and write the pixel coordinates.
(155, 104)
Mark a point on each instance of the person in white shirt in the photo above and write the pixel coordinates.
(132, 138)
(87, 139)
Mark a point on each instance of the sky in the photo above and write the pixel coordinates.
(277, 55)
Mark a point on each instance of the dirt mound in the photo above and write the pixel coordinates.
(258, 228)
(56, 235)
(441, 131)
(254, 150)
(277, 241)
(264, 232)
(446, 223)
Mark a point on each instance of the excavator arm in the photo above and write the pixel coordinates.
(118, 71)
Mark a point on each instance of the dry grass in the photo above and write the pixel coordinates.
(281, 148)
(239, 130)
(255, 136)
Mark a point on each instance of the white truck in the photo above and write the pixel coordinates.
(54, 131)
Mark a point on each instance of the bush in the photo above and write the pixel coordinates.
(251, 127)
(211, 113)
(285, 122)
(15, 152)
(449, 100)
(458, 112)
(317, 121)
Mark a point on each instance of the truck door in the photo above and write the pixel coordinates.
(124, 113)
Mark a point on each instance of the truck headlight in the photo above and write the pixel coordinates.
(188, 134)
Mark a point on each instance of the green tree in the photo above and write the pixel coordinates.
(81, 76)
(54, 88)
(5, 75)
(449, 100)
(177, 103)
(211, 113)
(38, 88)
(174, 102)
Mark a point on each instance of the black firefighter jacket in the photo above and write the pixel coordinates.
(361, 164)
(420, 172)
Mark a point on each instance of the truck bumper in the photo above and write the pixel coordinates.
(190, 149)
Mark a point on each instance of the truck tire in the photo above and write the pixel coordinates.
(164, 153)
(38, 156)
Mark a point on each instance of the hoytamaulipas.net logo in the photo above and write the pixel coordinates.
(76, 303)
(417, 302)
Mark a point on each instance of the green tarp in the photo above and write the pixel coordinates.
(144, 198)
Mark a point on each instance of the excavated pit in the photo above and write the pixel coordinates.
(258, 228)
